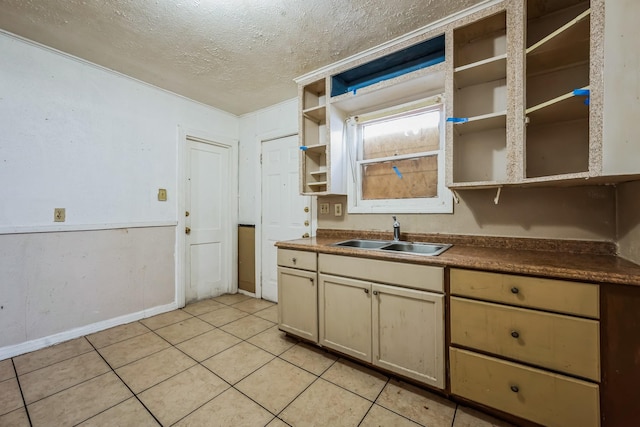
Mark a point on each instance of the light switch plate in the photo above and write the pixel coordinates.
(337, 209)
(324, 208)
(162, 194)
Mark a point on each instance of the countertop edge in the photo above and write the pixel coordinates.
(605, 269)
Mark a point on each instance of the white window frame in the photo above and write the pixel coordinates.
(442, 203)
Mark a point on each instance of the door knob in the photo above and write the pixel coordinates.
(187, 230)
(186, 213)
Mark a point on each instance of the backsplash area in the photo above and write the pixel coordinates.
(582, 213)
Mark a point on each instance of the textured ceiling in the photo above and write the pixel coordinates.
(236, 55)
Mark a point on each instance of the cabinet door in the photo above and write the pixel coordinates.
(408, 333)
(298, 303)
(345, 316)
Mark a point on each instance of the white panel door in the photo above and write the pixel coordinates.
(283, 208)
(208, 222)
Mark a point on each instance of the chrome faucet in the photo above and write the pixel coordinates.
(396, 229)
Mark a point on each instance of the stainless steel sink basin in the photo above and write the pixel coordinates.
(428, 249)
(363, 244)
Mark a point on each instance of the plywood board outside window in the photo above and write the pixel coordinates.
(417, 178)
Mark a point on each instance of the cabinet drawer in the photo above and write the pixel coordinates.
(545, 398)
(581, 299)
(297, 259)
(424, 277)
(554, 341)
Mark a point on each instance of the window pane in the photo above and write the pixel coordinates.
(419, 179)
(401, 135)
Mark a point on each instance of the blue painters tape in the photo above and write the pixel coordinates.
(303, 147)
(583, 92)
(457, 119)
(397, 171)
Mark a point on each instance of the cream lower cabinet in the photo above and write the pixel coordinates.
(396, 328)
(345, 316)
(298, 294)
(527, 346)
(408, 333)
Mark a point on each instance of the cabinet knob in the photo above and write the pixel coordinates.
(366, 291)
(311, 280)
(187, 230)
(515, 389)
(375, 292)
(515, 290)
(515, 334)
(294, 260)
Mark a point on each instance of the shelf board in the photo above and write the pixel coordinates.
(316, 149)
(482, 123)
(558, 179)
(317, 114)
(316, 184)
(318, 173)
(487, 70)
(475, 184)
(563, 108)
(567, 45)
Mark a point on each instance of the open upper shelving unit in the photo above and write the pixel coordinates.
(314, 137)
(557, 63)
(478, 125)
(407, 74)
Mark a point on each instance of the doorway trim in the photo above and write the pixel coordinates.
(186, 134)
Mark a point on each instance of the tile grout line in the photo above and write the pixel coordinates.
(128, 388)
(231, 386)
(24, 402)
(59, 361)
(307, 387)
(374, 400)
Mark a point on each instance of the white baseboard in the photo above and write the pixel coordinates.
(37, 344)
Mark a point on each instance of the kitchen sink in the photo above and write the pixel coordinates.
(363, 244)
(431, 249)
(428, 249)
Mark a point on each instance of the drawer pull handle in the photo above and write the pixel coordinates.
(375, 292)
(515, 389)
(366, 291)
(515, 334)
(515, 290)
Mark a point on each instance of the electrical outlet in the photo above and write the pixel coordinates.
(337, 209)
(162, 194)
(59, 214)
(324, 208)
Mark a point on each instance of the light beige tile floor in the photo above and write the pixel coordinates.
(217, 362)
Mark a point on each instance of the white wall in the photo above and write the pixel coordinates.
(99, 144)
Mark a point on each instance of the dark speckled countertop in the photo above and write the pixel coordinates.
(576, 260)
